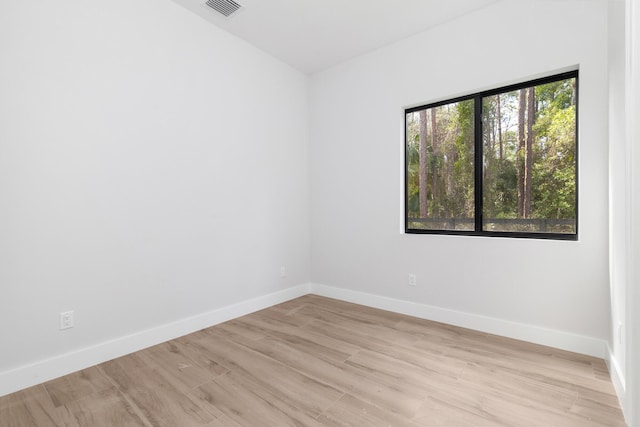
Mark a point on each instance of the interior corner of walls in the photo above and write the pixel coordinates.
(63, 364)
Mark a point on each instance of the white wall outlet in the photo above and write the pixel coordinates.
(283, 271)
(412, 279)
(66, 320)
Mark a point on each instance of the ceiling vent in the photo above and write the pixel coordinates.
(224, 7)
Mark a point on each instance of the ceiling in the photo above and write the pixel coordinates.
(313, 35)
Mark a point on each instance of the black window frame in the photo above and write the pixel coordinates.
(478, 163)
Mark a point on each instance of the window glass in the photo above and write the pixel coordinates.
(529, 150)
(440, 179)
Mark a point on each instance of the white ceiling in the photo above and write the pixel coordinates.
(312, 35)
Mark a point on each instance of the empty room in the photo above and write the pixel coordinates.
(306, 213)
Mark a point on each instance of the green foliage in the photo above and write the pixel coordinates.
(449, 164)
(553, 171)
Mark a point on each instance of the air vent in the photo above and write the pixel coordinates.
(225, 7)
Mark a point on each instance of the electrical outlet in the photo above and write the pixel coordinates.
(283, 271)
(412, 279)
(66, 320)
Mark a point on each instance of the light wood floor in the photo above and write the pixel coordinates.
(315, 361)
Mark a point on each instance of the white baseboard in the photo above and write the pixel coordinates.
(617, 379)
(549, 337)
(63, 364)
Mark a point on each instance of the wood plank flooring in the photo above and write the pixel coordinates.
(315, 361)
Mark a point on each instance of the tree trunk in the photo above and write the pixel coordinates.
(499, 119)
(434, 146)
(528, 162)
(520, 154)
(423, 164)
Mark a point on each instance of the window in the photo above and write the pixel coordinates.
(498, 163)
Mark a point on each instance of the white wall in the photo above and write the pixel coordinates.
(356, 172)
(619, 200)
(632, 38)
(152, 168)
